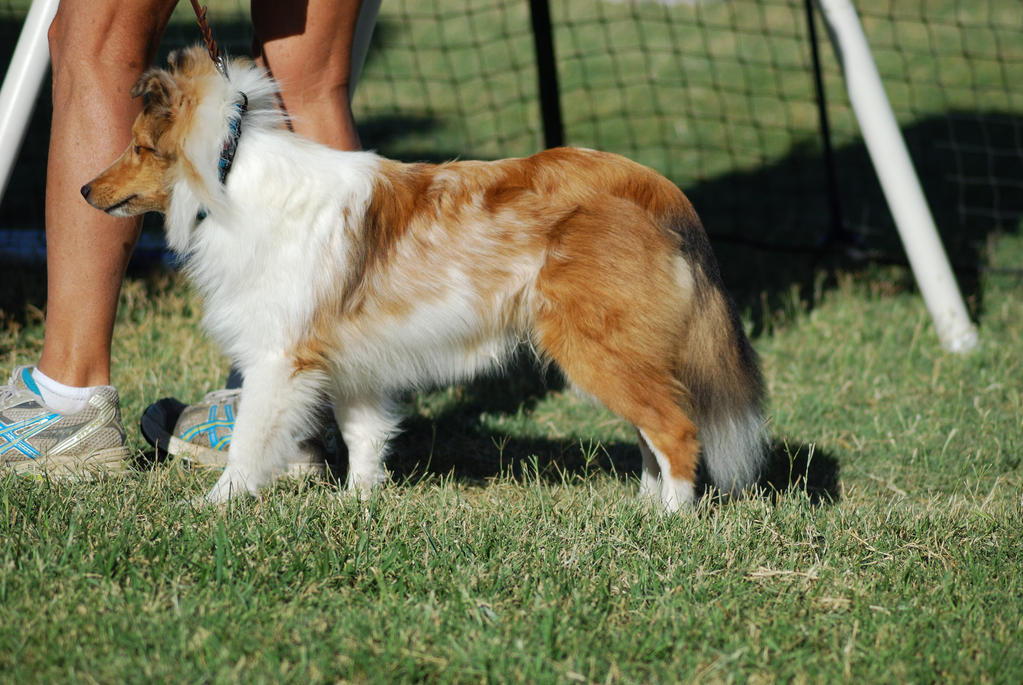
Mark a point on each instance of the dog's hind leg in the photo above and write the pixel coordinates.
(367, 425)
(650, 478)
(609, 310)
(677, 468)
(274, 414)
(667, 435)
(645, 394)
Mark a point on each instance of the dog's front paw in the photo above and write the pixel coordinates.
(229, 485)
(364, 484)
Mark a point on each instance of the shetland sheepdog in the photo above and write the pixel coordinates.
(350, 277)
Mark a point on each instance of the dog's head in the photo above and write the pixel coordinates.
(177, 136)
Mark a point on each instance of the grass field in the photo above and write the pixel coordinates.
(510, 546)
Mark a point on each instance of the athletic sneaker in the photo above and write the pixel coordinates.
(202, 433)
(36, 440)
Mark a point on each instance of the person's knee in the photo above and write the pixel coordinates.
(58, 37)
(97, 41)
(320, 81)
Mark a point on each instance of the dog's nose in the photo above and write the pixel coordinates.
(86, 189)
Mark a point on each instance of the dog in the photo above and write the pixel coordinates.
(350, 277)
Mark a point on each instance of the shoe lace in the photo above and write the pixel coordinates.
(8, 391)
(222, 395)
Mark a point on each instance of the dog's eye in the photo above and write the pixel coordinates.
(139, 149)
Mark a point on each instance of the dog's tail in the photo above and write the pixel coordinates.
(734, 447)
(720, 372)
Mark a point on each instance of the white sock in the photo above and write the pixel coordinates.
(63, 399)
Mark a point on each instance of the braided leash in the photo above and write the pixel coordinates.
(207, 37)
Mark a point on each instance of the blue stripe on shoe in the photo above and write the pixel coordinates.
(30, 383)
(210, 428)
(14, 435)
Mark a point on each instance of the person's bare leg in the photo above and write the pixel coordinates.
(98, 49)
(308, 48)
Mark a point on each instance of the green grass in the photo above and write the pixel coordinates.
(511, 547)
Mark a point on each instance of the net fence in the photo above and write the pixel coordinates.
(718, 95)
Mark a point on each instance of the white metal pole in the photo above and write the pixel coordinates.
(898, 179)
(24, 78)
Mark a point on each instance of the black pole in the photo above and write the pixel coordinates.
(547, 73)
(837, 231)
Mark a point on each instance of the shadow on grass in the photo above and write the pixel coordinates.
(477, 456)
(802, 468)
(455, 443)
(769, 225)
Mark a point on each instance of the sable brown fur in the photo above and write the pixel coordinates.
(373, 275)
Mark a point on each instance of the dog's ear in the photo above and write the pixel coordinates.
(155, 85)
(191, 61)
(181, 59)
